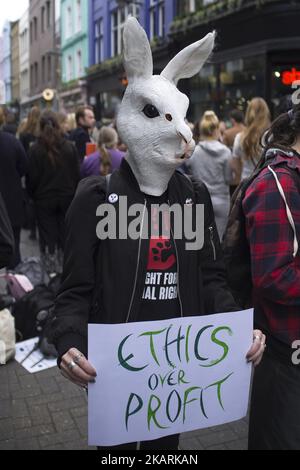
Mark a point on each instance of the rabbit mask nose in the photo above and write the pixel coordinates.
(186, 136)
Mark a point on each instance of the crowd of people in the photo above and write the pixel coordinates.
(57, 150)
(43, 160)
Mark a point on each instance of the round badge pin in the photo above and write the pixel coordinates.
(189, 202)
(113, 198)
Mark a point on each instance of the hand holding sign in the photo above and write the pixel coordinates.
(256, 353)
(168, 377)
(76, 368)
(85, 373)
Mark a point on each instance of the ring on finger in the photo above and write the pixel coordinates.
(78, 358)
(72, 365)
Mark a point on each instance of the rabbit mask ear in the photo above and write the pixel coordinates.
(138, 60)
(190, 60)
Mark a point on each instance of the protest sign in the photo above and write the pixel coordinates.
(168, 377)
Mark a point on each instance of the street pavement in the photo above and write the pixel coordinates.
(44, 411)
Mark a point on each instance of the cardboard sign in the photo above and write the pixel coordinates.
(168, 377)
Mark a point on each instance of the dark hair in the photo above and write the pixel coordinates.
(11, 118)
(80, 113)
(51, 136)
(284, 130)
(237, 115)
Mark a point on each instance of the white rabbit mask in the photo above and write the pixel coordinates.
(152, 117)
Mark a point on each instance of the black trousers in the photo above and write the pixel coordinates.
(51, 223)
(165, 443)
(275, 407)
(17, 255)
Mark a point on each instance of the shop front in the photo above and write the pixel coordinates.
(72, 97)
(257, 54)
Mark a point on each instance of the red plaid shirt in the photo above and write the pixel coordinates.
(275, 271)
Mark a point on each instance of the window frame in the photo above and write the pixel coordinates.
(99, 40)
(117, 29)
(157, 15)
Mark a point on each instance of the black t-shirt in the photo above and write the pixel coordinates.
(160, 294)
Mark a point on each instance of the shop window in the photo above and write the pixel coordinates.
(240, 81)
(226, 86)
(284, 86)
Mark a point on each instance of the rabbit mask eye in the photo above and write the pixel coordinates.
(150, 111)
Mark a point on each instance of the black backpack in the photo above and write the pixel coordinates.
(33, 311)
(235, 245)
(26, 310)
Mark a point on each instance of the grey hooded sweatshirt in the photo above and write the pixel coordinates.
(210, 163)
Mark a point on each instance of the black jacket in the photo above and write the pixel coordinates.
(99, 280)
(80, 137)
(11, 129)
(44, 180)
(6, 237)
(27, 140)
(13, 161)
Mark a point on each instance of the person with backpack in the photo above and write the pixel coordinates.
(104, 281)
(262, 254)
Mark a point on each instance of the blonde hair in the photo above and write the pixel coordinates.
(62, 118)
(258, 120)
(107, 139)
(209, 124)
(71, 121)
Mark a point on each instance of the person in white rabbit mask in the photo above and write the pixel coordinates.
(152, 119)
(107, 280)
